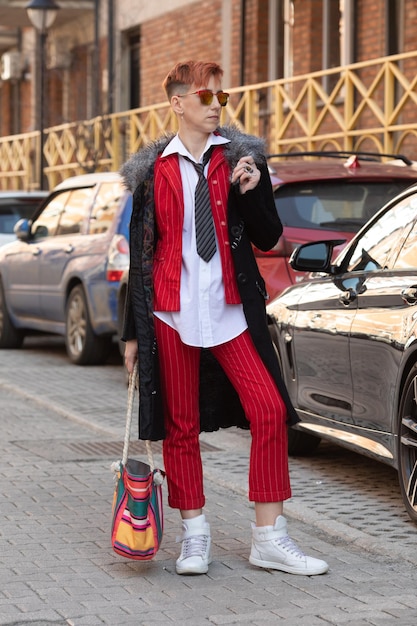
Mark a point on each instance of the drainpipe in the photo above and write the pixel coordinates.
(96, 65)
(242, 41)
(110, 56)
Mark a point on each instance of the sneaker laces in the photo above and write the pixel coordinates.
(287, 544)
(196, 545)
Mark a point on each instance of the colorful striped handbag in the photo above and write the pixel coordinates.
(137, 524)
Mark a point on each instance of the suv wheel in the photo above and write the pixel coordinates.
(120, 317)
(84, 347)
(10, 337)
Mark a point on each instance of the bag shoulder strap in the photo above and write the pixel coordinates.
(133, 385)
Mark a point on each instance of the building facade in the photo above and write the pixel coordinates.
(104, 56)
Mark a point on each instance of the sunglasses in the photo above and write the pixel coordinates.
(206, 96)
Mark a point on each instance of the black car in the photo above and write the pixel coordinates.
(347, 343)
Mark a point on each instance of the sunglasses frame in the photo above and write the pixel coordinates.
(210, 94)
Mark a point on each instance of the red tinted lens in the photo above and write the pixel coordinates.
(206, 96)
(222, 97)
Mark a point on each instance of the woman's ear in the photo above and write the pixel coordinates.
(176, 105)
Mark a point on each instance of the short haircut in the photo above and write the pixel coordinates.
(183, 75)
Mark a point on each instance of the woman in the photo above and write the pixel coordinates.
(188, 302)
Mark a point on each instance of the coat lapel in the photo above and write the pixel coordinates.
(169, 168)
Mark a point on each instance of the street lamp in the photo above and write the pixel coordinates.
(42, 14)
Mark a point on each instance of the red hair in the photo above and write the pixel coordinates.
(183, 75)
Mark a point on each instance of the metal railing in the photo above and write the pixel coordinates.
(363, 106)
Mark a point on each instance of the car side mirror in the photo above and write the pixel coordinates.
(22, 229)
(315, 256)
(41, 232)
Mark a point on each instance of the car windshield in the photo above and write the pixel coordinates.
(336, 205)
(13, 209)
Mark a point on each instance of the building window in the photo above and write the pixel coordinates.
(394, 11)
(134, 70)
(338, 37)
(281, 24)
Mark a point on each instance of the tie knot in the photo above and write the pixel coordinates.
(207, 155)
(199, 167)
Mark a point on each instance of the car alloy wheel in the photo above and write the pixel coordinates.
(407, 444)
(84, 347)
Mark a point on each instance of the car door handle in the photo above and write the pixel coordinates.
(347, 297)
(315, 318)
(69, 249)
(409, 295)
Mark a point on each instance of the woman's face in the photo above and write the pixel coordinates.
(194, 115)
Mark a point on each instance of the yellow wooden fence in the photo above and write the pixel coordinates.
(364, 106)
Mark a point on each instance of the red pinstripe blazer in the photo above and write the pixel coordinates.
(169, 212)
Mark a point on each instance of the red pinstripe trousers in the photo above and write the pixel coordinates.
(261, 400)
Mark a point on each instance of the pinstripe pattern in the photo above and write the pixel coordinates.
(169, 211)
(264, 408)
(204, 227)
(266, 413)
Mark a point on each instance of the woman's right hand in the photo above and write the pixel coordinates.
(131, 354)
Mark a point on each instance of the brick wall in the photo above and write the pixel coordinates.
(370, 38)
(5, 102)
(307, 36)
(195, 31)
(198, 35)
(180, 35)
(410, 39)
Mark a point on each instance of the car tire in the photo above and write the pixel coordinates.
(10, 337)
(120, 319)
(407, 444)
(84, 347)
(299, 443)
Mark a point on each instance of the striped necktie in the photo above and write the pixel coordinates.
(204, 225)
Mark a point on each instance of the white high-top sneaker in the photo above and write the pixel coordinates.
(195, 550)
(272, 548)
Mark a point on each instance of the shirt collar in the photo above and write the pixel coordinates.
(176, 146)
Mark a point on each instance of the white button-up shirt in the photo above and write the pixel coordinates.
(204, 318)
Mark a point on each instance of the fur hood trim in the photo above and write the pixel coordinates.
(139, 167)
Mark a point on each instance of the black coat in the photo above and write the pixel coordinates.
(252, 217)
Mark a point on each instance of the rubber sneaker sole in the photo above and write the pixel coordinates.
(320, 568)
(192, 569)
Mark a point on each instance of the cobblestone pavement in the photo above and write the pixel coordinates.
(61, 426)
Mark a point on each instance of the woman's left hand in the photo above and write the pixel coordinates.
(246, 174)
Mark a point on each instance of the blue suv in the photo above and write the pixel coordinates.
(62, 274)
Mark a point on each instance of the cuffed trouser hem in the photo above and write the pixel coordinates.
(186, 506)
(278, 496)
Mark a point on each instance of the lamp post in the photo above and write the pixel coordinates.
(42, 14)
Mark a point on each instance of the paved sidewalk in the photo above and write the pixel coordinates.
(56, 562)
